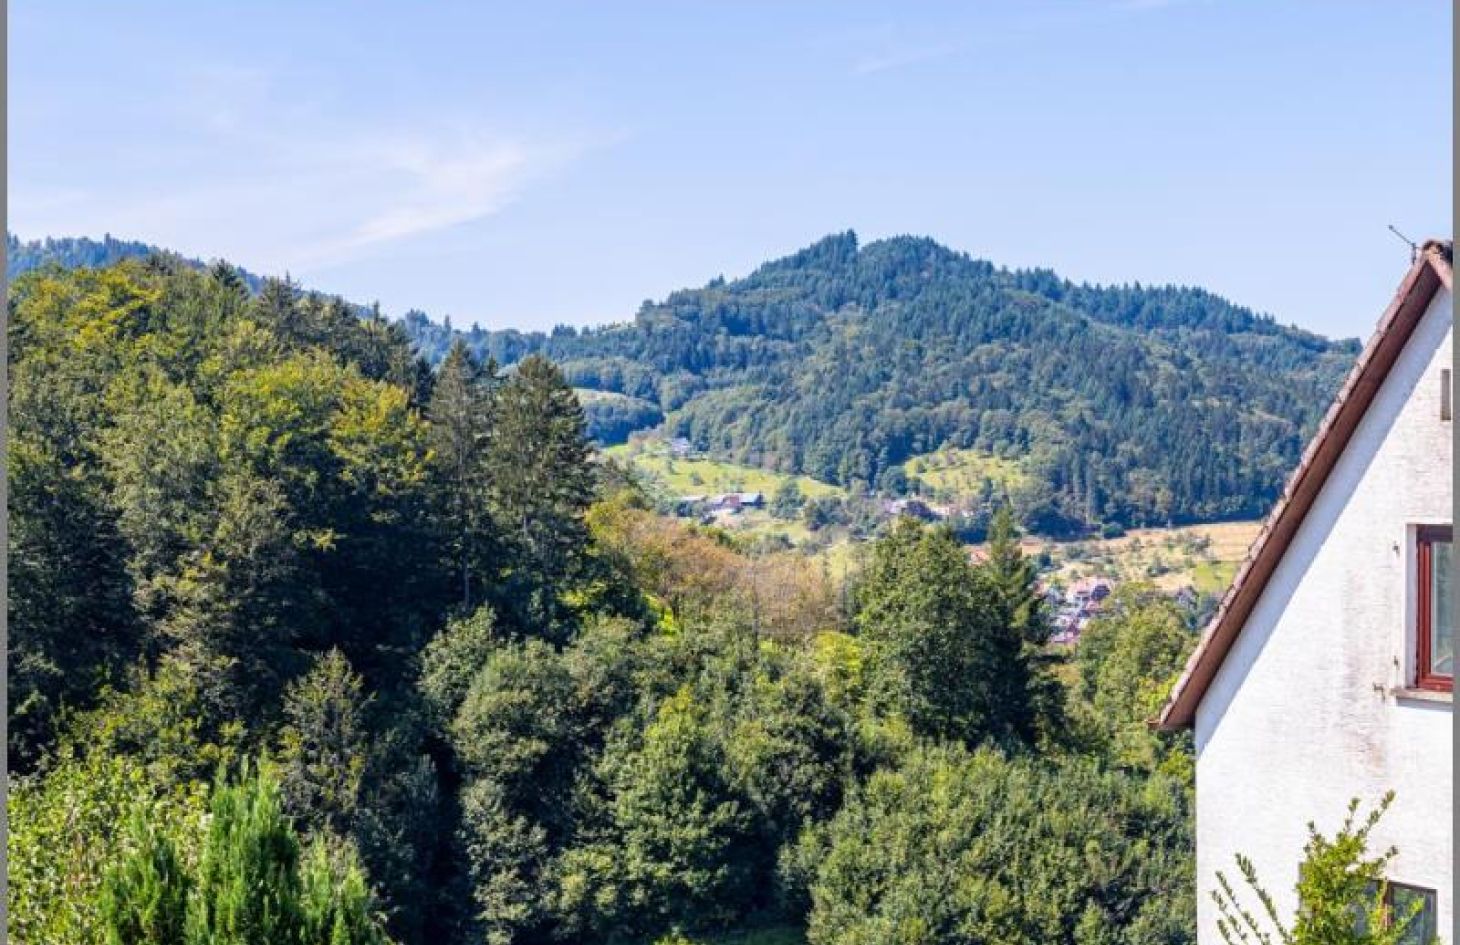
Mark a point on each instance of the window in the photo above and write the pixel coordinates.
(1435, 665)
(1400, 903)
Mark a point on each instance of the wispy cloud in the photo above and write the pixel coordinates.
(428, 185)
(266, 173)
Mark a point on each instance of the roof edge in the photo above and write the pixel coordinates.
(1431, 270)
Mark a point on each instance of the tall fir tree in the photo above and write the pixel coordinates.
(460, 415)
(1013, 582)
(542, 484)
(1014, 578)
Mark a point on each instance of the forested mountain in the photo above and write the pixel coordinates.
(1130, 404)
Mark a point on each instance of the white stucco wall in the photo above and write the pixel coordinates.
(1303, 714)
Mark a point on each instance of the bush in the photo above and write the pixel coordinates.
(956, 847)
(1341, 893)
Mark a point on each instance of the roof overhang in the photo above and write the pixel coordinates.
(1430, 272)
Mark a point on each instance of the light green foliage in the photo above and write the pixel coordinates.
(955, 847)
(1340, 893)
(248, 868)
(966, 473)
(251, 883)
(336, 906)
(64, 837)
(944, 648)
(144, 898)
(1127, 659)
(704, 475)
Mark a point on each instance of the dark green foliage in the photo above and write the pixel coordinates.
(460, 415)
(611, 418)
(541, 486)
(324, 745)
(956, 847)
(1130, 404)
(452, 659)
(788, 501)
(677, 836)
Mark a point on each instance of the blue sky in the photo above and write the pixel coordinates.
(532, 163)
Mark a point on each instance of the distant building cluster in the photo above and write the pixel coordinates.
(1076, 607)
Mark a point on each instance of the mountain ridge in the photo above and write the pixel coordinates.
(1130, 404)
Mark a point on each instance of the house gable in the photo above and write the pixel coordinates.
(1430, 274)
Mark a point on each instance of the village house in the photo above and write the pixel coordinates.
(1327, 671)
(914, 507)
(719, 506)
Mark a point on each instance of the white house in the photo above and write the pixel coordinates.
(1326, 674)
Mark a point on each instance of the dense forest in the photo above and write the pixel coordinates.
(1131, 405)
(1126, 405)
(311, 642)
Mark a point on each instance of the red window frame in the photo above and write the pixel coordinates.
(1424, 630)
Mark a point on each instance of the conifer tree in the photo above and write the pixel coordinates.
(143, 900)
(1014, 579)
(542, 484)
(459, 412)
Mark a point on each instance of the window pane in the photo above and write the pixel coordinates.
(1403, 900)
(1442, 645)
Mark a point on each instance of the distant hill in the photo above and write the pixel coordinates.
(1128, 405)
(71, 252)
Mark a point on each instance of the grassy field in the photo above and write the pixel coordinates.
(699, 476)
(962, 472)
(1205, 557)
(1212, 577)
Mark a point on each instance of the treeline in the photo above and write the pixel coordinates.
(71, 252)
(1131, 405)
(311, 643)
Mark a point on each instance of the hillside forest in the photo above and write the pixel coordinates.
(1100, 406)
(312, 641)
